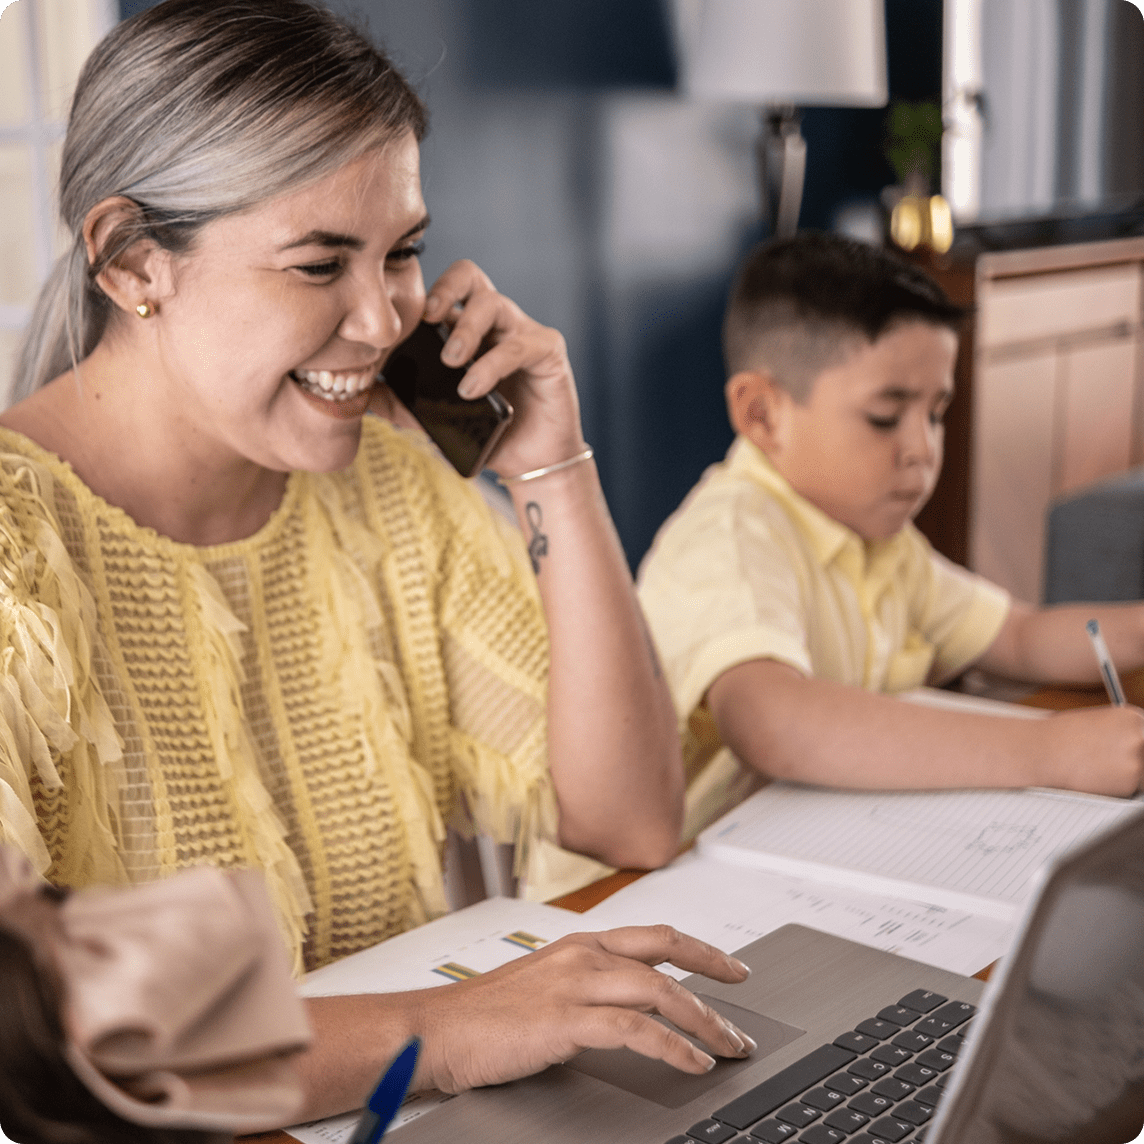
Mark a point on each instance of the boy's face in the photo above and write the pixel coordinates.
(866, 447)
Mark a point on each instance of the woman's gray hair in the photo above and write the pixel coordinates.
(193, 110)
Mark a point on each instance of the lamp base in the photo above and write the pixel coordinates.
(781, 157)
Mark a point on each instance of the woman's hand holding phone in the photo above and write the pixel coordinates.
(525, 361)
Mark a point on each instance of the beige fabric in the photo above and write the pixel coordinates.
(178, 1006)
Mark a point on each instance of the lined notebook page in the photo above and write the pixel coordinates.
(974, 850)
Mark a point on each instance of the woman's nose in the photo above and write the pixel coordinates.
(372, 317)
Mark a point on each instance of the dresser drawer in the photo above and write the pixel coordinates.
(1029, 309)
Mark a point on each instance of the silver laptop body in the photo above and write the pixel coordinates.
(1054, 1053)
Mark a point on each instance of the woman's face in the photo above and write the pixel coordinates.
(278, 320)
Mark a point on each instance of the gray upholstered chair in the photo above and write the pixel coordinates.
(1094, 543)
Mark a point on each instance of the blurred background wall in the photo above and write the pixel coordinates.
(562, 158)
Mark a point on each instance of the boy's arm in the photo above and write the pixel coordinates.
(791, 726)
(1050, 645)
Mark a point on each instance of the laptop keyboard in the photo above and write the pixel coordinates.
(877, 1084)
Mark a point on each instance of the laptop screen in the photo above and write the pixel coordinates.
(1061, 1056)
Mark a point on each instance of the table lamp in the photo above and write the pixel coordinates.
(779, 55)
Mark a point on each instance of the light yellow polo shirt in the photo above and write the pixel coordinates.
(747, 569)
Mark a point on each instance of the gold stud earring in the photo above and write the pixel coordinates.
(144, 309)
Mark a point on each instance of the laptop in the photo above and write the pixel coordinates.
(867, 1047)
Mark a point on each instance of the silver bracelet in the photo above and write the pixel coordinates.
(534, 474)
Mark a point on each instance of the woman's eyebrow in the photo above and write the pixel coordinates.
(335, 241)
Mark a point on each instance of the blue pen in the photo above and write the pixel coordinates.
(387, 1097)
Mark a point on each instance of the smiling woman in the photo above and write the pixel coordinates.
(249, 617)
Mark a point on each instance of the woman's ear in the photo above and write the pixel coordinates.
(131, 269)
(756, 405)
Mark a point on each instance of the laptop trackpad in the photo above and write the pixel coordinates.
(655, 1080)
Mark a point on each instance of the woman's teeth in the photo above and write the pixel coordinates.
(334, 386)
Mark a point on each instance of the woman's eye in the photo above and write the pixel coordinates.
(405, 253)
(320, 269)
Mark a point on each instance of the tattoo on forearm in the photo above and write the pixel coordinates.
(538, 542)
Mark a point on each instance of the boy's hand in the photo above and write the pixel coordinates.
(1095, 749)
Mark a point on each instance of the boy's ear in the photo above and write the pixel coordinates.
(132, 269)
(755, 405)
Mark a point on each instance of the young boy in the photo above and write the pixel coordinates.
(790, 595)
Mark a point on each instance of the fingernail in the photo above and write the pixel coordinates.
(734, 1036)
(706, 1061)
(432, 302)
(465, 389)
(741, 966)
(749, 1043)
(451, 354)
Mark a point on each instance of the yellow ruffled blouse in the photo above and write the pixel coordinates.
(317, 700)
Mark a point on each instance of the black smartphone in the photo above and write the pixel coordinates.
(465, 431)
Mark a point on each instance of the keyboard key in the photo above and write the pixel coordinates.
(920, 1135)
(871, 1104)
(798, 1114)
(679, 1140)
(856, 1042)
(928, 1096)
(891, 1054)
(952, 1043)
(822, 1098)
(916, 1074)
(871, 1070)
(764, 1098)
(711, 1131)
(936, 1059)
(898, 1015)
(845, 1083)
(913, 1112)
(892, 1087)
(846, 1120)
(881, 1030)
(773, 1131)
(913, 1040)
(820, 1134)
(922, 1001)
(890, 1129)
(948, 1017)
(942, 1081)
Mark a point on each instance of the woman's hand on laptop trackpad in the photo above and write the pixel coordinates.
(587, 990)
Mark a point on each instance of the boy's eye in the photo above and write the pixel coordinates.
(405, 253)
(885, 424)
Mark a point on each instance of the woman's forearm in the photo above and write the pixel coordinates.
(613, 740)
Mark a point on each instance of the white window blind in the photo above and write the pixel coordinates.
(43, 44)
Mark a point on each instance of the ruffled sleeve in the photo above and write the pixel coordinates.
(52, 714)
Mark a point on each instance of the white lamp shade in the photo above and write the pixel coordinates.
(829, 53)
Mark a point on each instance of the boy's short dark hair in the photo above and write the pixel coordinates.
(799, 305)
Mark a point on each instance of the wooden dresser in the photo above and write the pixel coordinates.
(1050, 397)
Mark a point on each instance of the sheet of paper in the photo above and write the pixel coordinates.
(973, 704)
(454, 947)
(731, 906)
(970, 850)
